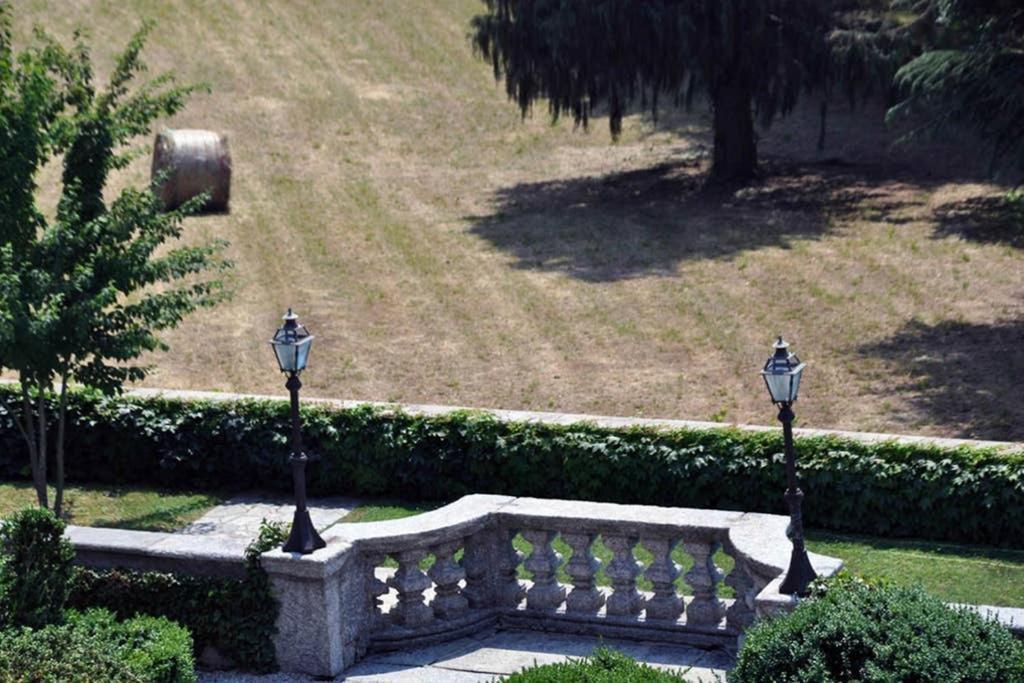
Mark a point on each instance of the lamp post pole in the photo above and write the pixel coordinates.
(303, 538)
(800, 573)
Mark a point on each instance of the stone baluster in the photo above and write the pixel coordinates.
(410, 582)
(665, 604)
(375, 588)
(740, 614)
(582, 567)
(705, 609)
(476, 562)
(543, 561)
(491, 564)
(509, 590)
(623, 570)
(449, 602)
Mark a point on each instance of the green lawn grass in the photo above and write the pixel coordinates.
(446, 251)
(123, 507)
(957, 573)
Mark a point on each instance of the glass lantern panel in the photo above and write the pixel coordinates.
(286, 357)
(302, 353)
(778, 386)
(796, 383)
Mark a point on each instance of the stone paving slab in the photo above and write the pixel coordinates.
(488, 656)
(1010, 617)
(239, 518)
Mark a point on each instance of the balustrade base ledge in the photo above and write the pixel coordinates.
(624, 628)
(771, 603)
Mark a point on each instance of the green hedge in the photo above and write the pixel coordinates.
(888, 489)
(93, 646)
(857, 632)
(35, 568)
(236, 616)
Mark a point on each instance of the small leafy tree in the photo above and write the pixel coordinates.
(83, 296)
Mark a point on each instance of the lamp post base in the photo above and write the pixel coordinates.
(799, 575)
(303, 539)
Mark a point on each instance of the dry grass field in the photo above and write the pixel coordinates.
(443, 250)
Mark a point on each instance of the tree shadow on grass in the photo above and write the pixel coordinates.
(990, 219)
(646, 222)
(962, 375)
(169, 518)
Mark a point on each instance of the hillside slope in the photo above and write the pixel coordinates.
(444, 251)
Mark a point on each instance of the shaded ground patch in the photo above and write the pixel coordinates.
(965, 375)
(646, 222)
(989, 219)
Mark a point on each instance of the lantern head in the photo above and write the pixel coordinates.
(782, 374)
(291, 344)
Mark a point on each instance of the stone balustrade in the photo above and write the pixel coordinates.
(444, 574)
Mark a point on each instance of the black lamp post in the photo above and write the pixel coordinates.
(782, 375)
(291, 345)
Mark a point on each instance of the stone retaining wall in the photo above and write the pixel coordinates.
(157, 551)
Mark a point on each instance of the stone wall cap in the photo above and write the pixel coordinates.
(462, 516)
(157, 551)
(585, 514)
(319, 564)
(120, 540)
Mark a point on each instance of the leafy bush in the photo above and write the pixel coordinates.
(35, 569)
(237, 617)
(965, 495)
(93, 646)
(603, 666)
(856, 632)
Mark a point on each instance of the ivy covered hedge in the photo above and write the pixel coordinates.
(235, 616)
(965, 495)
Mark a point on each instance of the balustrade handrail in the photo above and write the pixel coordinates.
(758, 537)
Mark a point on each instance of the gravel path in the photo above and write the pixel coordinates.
(240, 517)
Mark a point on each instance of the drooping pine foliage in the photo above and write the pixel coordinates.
(971, 75)
(750, 58)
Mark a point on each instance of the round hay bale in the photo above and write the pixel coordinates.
(195, 161)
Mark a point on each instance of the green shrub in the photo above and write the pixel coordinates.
(93, 646)
(964, 495)
(35, 569)
(856, 632)
(603, 666)
(235, 616)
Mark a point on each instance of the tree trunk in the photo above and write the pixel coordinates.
(28, 431)
(42, 422)
(735, 158)
(58, 499)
